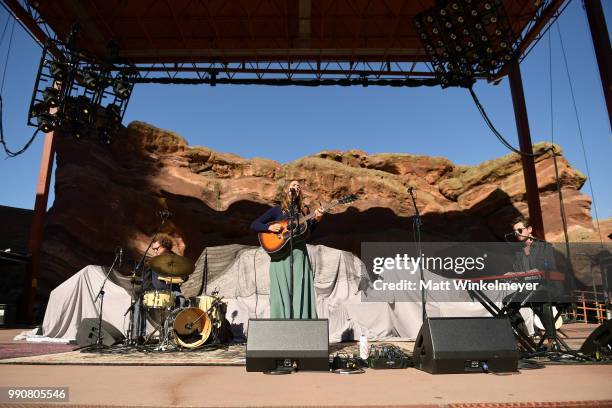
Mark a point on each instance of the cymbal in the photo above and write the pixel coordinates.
(171, 265)
(135, 279)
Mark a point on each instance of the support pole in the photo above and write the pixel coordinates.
(528, 162)
(601, 44)
(36, 231)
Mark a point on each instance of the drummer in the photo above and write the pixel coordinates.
(151, 281)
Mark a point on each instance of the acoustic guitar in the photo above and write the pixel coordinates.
(276, 242)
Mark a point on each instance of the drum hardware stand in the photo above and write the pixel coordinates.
(98, 344)
(164, 343)
(165, 215)
(129, 341)
(157, 329)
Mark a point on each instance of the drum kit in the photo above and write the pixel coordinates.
(201, 320)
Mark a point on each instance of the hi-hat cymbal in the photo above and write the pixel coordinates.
(171, 265)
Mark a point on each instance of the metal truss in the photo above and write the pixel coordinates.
(314, 70)
(280, 70)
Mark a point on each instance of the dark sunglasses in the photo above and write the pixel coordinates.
(520, 230)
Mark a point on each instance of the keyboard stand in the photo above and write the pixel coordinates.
(515, 319)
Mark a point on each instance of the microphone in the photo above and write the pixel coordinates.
(164, 213)
(410, 189)
(293, 191)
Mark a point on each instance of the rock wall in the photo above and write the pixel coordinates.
(110, 196)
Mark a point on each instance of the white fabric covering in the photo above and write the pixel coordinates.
(339, 278)
(73, 301)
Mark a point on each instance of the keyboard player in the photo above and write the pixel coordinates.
(536, 256)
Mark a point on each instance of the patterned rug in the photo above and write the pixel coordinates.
(227, 355)
(12, 350)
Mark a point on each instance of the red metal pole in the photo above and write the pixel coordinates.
(524, 136)
(601, 44)
(37, 228)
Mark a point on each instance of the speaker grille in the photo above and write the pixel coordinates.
(271, 340)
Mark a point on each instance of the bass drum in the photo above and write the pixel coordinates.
(191, 327)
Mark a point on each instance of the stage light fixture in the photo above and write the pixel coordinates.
(46, 122)
(113, 114)
(79, 131)
(106, 135)
(88, 79)
(76, 130)
(79, 110)
(122, 89)
(58, 70)
(51, 97)
(470, 38)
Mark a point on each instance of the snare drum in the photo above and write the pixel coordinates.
(214, 306)
(158, 299)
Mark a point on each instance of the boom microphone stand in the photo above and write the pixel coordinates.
(164, 215)
(416, 229)
(98, 344)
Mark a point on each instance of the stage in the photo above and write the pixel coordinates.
(198, 379)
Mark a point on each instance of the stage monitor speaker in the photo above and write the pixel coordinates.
(284, 343)
(600, 341)
(453, 345)
(87, 333)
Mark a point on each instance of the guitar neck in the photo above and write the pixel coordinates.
(312, 214)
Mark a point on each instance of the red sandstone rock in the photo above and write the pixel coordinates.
(106, 198)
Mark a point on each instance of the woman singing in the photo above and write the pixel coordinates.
(303, 294)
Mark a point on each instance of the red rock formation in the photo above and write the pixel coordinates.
(109, 197)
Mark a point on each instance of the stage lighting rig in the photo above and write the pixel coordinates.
(465, 39)
(78, 95)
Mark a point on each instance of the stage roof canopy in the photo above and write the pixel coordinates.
(200, 31)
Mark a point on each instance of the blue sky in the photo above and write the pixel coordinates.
(286, 123)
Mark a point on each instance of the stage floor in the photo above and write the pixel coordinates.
(172, 385)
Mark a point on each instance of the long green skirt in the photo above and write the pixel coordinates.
(304, 300)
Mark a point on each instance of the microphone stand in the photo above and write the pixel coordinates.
(416, 229)
(98, 344)
(293, 223)
(165, 215)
